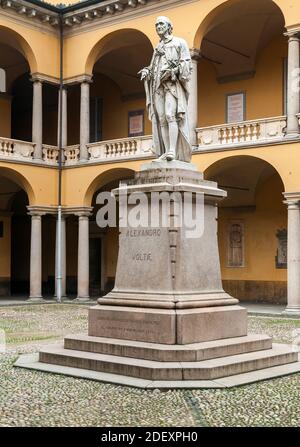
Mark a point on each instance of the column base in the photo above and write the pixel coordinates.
(292, 311)
(82, 299)
(35, 299)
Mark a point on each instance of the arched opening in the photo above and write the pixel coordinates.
(252, 229)
(117, 96)
(14, 238)
(17, 61)
(242, 70)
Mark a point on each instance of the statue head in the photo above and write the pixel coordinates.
(163, 26)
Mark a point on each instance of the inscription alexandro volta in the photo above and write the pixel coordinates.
(142, 257)
(142, 233)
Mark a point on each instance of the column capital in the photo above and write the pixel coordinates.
(84, 211)
(292, 199)
(40, 210)
(195, 54)
(40, 77)
(80, 79)
(292, 34)
(292, 204)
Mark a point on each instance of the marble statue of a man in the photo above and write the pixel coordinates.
(166, 82)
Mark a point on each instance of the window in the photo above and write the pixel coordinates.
(2, 81)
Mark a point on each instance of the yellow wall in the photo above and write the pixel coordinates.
(40, 183)
(5, 247)
(5, 116)
(264, 92)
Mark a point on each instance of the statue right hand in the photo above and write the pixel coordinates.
(145, 73)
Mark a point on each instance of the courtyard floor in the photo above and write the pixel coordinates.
(31, 398)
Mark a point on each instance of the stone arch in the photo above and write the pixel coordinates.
(116, 39)
(103, 179)
(19, 43)
(20, 180)
(212, 167)
(214, 17)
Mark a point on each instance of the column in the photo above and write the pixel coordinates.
(36, 256)
(37, 118)
(64, 134)
(84, 119)
(193, 97)
(293, 263)
(293, 95)
(63, 256)
(83, 256)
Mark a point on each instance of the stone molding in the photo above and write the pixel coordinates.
(112, 11)
(41, 210)
(292, 199)
(78, 79)
(27, 12)
(41, 77)
(80, 211)
(292, 31)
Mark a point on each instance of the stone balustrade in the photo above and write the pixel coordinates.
(242, 133)
(121, 148)
(245, 133)
(50, 154)
(71, 154)
(16, 149)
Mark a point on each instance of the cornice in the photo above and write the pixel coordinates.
(84, 16)
(20, 11)
(113, 12)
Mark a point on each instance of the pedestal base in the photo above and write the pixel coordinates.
(180, 326)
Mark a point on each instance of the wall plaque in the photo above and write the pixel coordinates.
(235, 107)
(136, 123)
(281, 256)
(235, 244)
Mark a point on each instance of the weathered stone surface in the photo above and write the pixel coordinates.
(181, 326)
(169, 353)
(152, 325)
(146, 369)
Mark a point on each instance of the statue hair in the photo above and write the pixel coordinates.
(168, 21)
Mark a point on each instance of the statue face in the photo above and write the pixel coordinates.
(162, 26)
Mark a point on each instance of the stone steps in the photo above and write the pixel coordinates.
(173, 371)
(169, 353)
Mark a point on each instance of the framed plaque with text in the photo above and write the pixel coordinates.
(135, 123)
(235, 107)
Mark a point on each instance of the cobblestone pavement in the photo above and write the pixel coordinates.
(32, 398)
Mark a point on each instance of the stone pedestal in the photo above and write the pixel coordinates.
(168, 323)
(168, 283)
